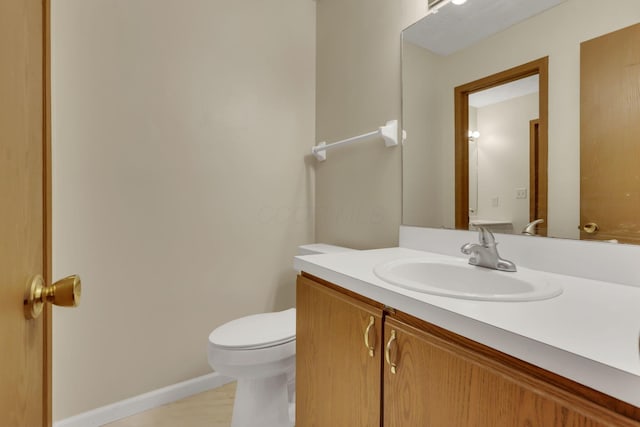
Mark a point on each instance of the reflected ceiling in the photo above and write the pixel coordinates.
(505, 92)
(453, 27)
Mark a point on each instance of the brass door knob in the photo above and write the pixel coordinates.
(65, 292)
(590, 228)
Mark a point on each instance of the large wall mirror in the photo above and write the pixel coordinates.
(557, 139)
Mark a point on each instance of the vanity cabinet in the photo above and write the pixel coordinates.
(421, 375)
(337, 376)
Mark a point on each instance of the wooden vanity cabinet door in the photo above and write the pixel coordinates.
(441, 384)
(337, 381)
(412, 395)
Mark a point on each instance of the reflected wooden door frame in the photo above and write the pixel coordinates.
(538, 180)
(461, 123)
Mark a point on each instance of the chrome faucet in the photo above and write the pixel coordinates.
(530, 229)
(485, 253)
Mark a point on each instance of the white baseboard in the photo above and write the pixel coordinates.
(143, 402)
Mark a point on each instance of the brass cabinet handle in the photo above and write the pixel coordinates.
(370, 347)
(65, 292)
(387, 353)
(590, 228)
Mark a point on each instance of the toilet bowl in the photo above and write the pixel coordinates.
(259, 351)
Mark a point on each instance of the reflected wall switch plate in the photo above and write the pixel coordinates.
(521, 193)
(495, 201)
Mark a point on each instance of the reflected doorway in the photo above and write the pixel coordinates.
(501, 149)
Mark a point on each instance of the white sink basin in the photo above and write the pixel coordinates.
(457, 279)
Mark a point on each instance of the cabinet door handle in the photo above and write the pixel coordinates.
(369, 346)
(387, 353)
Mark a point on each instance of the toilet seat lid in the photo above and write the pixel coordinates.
(256, 331)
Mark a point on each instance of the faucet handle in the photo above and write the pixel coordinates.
(485, 236)
(530, 229)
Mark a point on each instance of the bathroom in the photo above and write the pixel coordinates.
(183, 181)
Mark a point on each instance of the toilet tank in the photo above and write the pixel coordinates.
(321, 248)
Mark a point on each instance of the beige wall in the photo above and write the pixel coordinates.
(358, 190)
(180, 188)
(420, 110)
(503, 159)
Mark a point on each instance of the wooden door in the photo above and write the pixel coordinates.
(439, 383)
(609, 136)
(337, 379)
(24, 232)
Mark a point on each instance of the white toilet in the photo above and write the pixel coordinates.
(259, 351)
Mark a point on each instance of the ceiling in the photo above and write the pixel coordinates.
(525, 86)
(455, 27)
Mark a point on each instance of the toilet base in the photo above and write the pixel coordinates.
(262, 402)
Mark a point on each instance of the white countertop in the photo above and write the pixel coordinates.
(489, 222)
(590, 333)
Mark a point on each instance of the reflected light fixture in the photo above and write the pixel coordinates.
(434, 5)
(473, 135)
